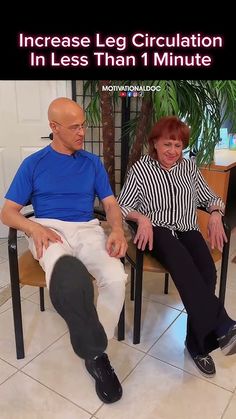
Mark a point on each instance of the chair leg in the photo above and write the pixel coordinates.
(15, 293)
(17, 317)
(121, 325)
(16, 306)
(41, 298)
(224, 269)
(138, 296)
(131, 283)
(166, 286)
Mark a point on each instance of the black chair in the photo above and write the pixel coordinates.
(25, 270)
(141, 261)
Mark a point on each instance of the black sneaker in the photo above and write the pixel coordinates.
(204, 364)
(108, 387)
(227, 342)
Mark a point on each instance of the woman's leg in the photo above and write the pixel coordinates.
(197, 247)
(203, 307)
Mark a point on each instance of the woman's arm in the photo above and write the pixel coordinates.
(215, 207)
(130, 200)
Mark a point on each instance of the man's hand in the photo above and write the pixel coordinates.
(216, 231)
(144, 233)
(116, 244)
(42, 236)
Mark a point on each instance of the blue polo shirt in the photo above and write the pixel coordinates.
(60, 186)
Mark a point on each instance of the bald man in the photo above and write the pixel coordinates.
(61, 181)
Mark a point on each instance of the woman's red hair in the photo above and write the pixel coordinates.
(170, 127)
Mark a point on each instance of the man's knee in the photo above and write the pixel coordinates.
(111, 277)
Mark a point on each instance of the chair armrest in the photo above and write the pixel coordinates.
(13, 256)
(12, 251)
(12, 235)
(99, 213)
(132, 225)
(12, 240)
(203, 209)
(29, 214)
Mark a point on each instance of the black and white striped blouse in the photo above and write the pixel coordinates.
(168, 197)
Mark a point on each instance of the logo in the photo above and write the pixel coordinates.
(122, 94)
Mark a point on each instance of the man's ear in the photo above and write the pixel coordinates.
(53, 125)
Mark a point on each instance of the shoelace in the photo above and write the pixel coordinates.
(205, 359)
(104, 362)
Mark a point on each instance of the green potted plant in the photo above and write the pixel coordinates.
(204, 104)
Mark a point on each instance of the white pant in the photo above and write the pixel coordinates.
(86, 241)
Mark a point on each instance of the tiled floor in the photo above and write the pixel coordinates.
(158, 378)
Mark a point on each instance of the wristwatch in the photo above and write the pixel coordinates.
(219, 211)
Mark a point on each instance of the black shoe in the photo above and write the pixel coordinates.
(227, 342)
(71, 292)
(204, 364)
(108, 387)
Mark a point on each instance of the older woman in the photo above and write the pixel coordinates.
(161, 194)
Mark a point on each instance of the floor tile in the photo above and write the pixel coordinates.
(153, 289)
(35, 298)
(4, 274)
(231, 276)
(3, 249)
(162, 383)
(170, 348)
(28, 290)
(156, 318)
(40, 330)
(21, 397)
(6, 305)
(157, 390)
(6, 371)
(230, 301)
(60, 369)
(2, 259)
(230, 412)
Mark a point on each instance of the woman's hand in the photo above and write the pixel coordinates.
(216, 231)
(144, 233)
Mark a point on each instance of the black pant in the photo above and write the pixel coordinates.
(187, 258)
